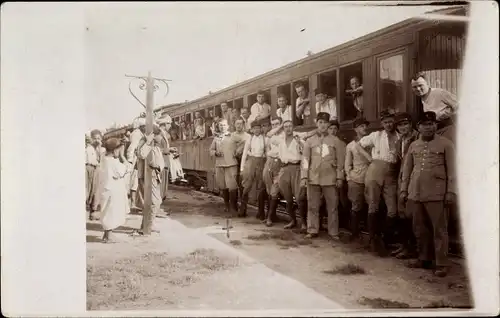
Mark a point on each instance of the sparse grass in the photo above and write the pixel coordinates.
(382, 303)
(348, 269)
(145, 278)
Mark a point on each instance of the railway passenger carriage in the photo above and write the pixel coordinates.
(384, 61)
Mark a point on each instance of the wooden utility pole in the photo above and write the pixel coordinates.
(147, 212)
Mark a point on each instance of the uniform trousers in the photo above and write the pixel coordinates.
(382, 180)
(270, 176)
(330, 193)
(226, 178)
(252, 174)
(430, 224)
(356, 194)
(90, 184)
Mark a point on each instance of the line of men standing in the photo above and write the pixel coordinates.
(412, 172)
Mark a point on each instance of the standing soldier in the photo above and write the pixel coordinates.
(407, 136)
(357, 161)
(252, 167)
(323, 172)
(290, 154)
(429, 186)
(223, 148)
(135, 138)
(382, 178)
(239, 125)
(272, 169)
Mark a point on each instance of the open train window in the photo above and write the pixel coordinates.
(327, 84)
(351, 90)
(252, 99)
(285, 90)
(391, 89)
(300, 98)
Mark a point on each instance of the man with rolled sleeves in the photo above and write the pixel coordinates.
(289, 147)
(223, 148)
(323, 172)
(428, 187)
(382, 179)
(357, 161)
(407, 136)
(252, 167)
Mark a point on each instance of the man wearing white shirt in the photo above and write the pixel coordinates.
(284, 111)
(325, 104)
(260, 110)
(252, 166)
(382, 177)
(439, 101)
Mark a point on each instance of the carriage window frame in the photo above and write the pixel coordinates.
(386, 55)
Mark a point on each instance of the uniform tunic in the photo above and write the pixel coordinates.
(382, 174)
(428, 174)
(226, 165)
(402, 149)
(323, 165)
(153, 156)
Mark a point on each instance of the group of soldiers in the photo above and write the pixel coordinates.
(411, 171)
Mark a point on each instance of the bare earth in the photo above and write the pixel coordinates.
(193, 264)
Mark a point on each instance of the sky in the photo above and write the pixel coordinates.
(204, 47)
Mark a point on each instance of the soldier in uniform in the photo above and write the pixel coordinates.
(407, 136)
(428, 186)
(239, 126)
(357, 161)
(323, 172)
(252, 167)
(223, 148)
(381, 179)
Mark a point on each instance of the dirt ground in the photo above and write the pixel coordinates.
(134, 274)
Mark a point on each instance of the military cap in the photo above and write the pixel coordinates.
(335, 122)
(386, 114)
(318, 91)
(403, 116)
(324, 116)
(139, 122)
(427, 116)
(111, 144)
(360, 121)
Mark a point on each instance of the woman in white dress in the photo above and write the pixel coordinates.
(112, 188)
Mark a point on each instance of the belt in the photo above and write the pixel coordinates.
(273, 158)
(291, 164)
(88, 164)
(257, 157)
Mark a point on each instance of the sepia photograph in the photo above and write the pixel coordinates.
(326, 182)
(246, 159)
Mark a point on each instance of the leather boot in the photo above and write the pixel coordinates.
(225, 196)
(389, 229)
(408, 250)
(303, 216)
(261, 215)
(273, 204)
(243, 206)
(354, 225)
(290, 210)
(233, 202)
(371, 224)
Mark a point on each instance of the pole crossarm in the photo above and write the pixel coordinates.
(143, 86)
(145, 78)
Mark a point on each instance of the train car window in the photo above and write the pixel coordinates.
(300, 102)
(286, 91)
(391, 89)
(351, 88)
(327, 86)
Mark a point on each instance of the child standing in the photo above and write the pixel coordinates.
(112, 188)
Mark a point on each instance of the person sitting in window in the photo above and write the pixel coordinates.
(302, 108)
(182, 134)
(235, 114)
(356, 92)
(245, 114)
(260, 110)
(284, 110)
(325, 104)
(226, 112)
(189, 130)
(215, 120)
(199, 130)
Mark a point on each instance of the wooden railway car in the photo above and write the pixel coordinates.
(384, 61)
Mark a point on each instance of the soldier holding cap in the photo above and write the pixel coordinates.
(357, 161)
(428, 186)
(407, 136)
(323, 172)
(382, 178)
(252, 167)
